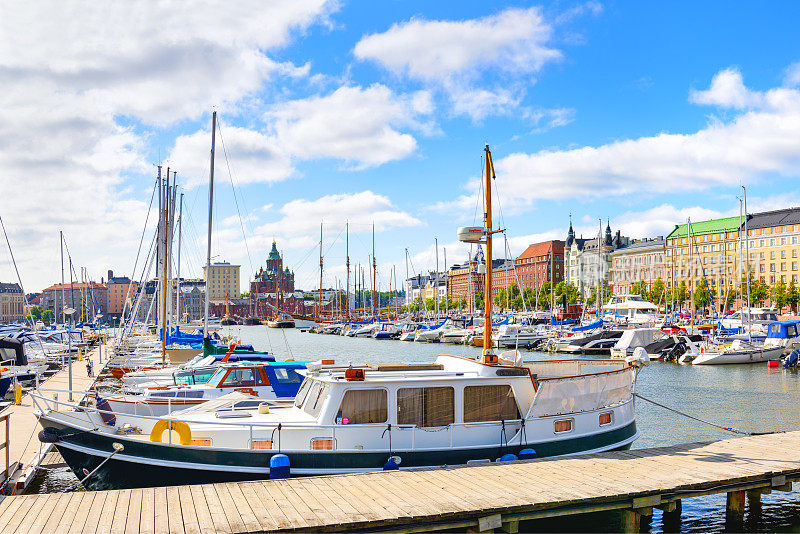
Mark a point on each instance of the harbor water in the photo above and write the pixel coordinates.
(747, 397)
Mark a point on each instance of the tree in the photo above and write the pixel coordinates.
(640, 288)
(657, 295)
(681, 295)
(792, 296)
(702, 295)
(479, 302)
(778, 295)
(570, 290)
(758, 292)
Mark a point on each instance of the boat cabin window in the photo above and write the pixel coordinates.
(288, 375)
(362, 406)
(302, 393)
(315, 398)
(489, 403)
(242, 377)
(791, 330)
(426, 407)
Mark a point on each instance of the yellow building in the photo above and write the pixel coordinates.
(223, 281)
(773, 245)
(710, 252)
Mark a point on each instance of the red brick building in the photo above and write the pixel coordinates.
(541, 262)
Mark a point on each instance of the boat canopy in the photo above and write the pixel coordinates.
(783, 329)
(590, 326)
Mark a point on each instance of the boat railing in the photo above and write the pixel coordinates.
(45, 404)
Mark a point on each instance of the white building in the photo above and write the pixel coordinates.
(586, 262)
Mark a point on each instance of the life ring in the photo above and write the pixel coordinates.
(183, 430)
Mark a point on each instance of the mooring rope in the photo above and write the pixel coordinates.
(729, 429)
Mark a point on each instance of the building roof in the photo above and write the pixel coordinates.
(712, 226)
(643, 245)
(11, 287)
(502, 265)
(119, 280)
(273, 254)
(76, 286)
(769, 219)
(542, 249)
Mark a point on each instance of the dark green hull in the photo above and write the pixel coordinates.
(144, 463)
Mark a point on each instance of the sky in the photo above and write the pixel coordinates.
(359, 112)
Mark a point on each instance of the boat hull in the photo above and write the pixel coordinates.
(738, 357)
(145, 463)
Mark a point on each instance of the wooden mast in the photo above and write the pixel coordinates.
(164, 279)
(347, 245)
(487, 292)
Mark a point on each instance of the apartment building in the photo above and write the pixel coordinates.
(640, 260)
(222, 281)
(774, 241)
(540, 263)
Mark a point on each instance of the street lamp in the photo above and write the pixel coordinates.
(69, 312)
(97, 319)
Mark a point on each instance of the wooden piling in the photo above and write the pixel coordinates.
(734, 510)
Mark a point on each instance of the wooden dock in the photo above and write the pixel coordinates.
(25, 450)
(475, 498)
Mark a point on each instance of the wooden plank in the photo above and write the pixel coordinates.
(98, 508)
(26, 501)
(133, 520)
(120, 514)
(37, 516)
(174, 511)
(9, 507)
(190, 523)
(262, 513)
(324, 514)
(215, 507)
(244, 507)
(203, 514)
(147, 520)
(230, 508)
(371, 510)
(270, 504)
(302, 508)
(58, 513)
(293, 517)
(77, 510)
(109, 509)
(327, 500)
(161, 510)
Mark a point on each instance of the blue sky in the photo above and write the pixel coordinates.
(640, 113)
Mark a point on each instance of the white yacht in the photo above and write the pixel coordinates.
(630, 309)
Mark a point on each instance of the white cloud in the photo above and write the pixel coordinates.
(727, 90)
(75, 78)
(253, 157)
(513, 40)
(453, 55)
(361, 209)
(660, 220)
(792, 77)
(754, 144)
(357, 124)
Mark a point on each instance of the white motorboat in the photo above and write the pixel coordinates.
(784, 334)
(518, 335)
(357, 419)
(633, 338)
(630, 309)
(737, 352)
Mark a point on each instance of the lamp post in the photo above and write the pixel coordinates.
(69, 312)
(97, 319)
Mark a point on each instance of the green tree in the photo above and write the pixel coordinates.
(702, 295)
(778, 295)
(479, 302)
(792, 296)
(640, 288)
(657, 295)
(758, 292)
(682, 294)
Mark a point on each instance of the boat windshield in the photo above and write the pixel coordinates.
(216, 377)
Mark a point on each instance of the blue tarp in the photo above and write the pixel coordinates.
(589, 326)
(556, 322)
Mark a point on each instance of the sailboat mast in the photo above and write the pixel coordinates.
(747, 260)
(374, 267)
(487, 293)
(691, 268)
(319, 293)
(178, 273)
(210, 212)
(347, 246)
(436, 284)
(164, 279)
